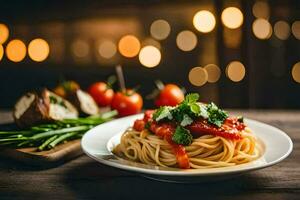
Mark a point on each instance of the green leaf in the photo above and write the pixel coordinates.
(186, 120)
(182, 136)
(191, 98)
(163, 112)
(195, 108)
(216, 116)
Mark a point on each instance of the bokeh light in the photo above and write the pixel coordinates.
(198, 76)
(261, 10)
(1, 52)
(282, 30)
(150, 56)
(235, 71)
(151, 42)
(232, 37)
(232, 17)
(4, 33)
(80, 48)
(213, 72)
(262, 29)
(38, 50)
(15, 50)
(129, 46)
(186, 40)
(107, 49)
(204, 21)
(296, 72)
(296, 29)
(160, 29)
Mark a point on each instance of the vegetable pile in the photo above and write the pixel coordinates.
(185, 113)
(190, 108)
(191, 119)
(47, 135)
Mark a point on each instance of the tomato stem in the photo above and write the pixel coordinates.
(159, 84)
(121, 79)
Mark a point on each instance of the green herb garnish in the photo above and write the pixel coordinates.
(187, 120)
(163, 112)
(216, 115)
(189, 109)
(182, 136)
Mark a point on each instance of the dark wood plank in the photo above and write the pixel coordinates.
(84, 178)
(31, 156)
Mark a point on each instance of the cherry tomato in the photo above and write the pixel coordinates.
(101, 93)
(127, 103)
(170, 95)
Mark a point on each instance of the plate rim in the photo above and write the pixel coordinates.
(186, 172)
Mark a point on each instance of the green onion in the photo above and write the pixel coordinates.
(61, 138)
(50, 134)
(47, 142)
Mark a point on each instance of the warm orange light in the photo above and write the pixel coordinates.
(198, 76)
(129, 46)
(151, 42)
(232, 37)
(261, 10)
(1, 52)
(38, 50)
(262, 29)
(296, 72)
(4, 33)
(232, 17)
(296, 29)
(235, 71)
(282, 30)
(80, 48)
(160, 29)
(16, 50)
(213, 72)
(149, 56)
(186, 40)
(204, 21)
(107, 49)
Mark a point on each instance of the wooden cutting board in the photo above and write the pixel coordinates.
(60, 154)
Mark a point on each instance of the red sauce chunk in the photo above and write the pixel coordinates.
(230, 129)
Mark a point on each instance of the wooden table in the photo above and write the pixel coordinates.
(84, 178)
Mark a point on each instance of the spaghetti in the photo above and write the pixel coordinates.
(206, 151)
(167, 137)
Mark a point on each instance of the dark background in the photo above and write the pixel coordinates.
(268, 82)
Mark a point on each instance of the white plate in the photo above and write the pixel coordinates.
(98, 143)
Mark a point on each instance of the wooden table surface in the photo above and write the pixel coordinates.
(84, 178)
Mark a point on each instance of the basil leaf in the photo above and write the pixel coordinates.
(163, 113)
(195, 108)
(182, 136)
(216, 116)
(191, 98)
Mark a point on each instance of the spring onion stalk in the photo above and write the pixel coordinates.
(47, 142)
(59, 132)
(61, 138)
(47, 136)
